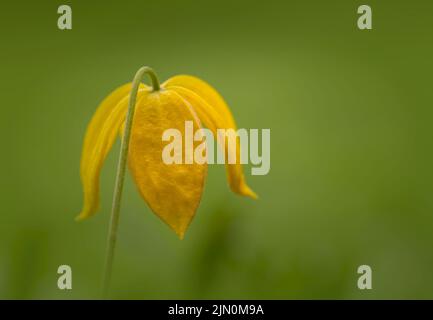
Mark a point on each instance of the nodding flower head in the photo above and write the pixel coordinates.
(173, 192)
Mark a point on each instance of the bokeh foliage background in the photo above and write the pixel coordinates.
(351, 178)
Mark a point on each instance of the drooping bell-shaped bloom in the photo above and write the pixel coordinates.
(172, 191)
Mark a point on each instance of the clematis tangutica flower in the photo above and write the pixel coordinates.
(172, 191)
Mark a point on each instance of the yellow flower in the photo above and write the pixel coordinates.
(172, 191)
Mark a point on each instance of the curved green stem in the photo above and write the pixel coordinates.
(120, 176)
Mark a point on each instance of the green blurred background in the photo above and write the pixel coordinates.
(351, 177)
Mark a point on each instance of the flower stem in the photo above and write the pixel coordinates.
(120, 176)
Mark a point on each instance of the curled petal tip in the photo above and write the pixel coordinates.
(180, 230)
(246, 191)
(180, 234)
(252, 195)
(79, 218)
(86, 213)
(82, 216)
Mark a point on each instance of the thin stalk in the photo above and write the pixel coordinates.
(120, 176)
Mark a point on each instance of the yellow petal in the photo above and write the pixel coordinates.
(100, 136)
(207, 92)
(215, 114)
(101, 114)
(173, 191)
